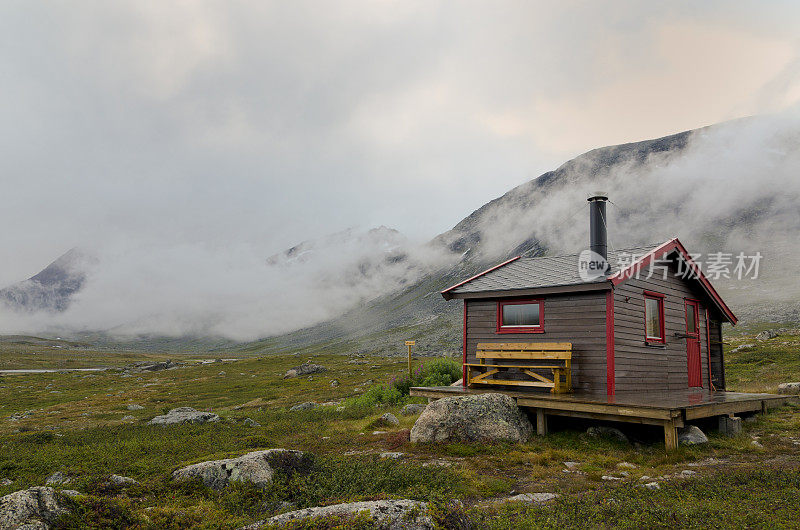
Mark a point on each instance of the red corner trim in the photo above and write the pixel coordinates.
(464, 349)
(610, 374)
(674, 244)
(443, 293)
(708, 351)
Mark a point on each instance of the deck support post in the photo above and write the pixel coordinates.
(541, 422)
(670, 435)
(764, 408)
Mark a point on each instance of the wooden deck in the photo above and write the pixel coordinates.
(670, 410)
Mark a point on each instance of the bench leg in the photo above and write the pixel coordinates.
(670, 435)
(541, 422)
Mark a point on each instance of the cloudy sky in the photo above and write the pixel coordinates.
(226, 124)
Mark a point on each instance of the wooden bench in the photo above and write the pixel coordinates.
(554, 352)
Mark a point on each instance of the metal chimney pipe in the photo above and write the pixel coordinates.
(598, 227)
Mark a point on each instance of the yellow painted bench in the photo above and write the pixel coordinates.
(559, 354)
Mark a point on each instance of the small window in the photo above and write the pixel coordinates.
(654, 317)
(520, 316)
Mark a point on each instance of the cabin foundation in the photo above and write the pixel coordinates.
(670, 410)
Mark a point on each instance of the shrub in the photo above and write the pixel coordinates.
(436, 372)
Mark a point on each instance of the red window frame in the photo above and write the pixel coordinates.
(520, 329)
(660, 299)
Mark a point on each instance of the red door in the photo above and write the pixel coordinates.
(693, 343)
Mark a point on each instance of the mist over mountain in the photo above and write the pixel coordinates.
(731, 187)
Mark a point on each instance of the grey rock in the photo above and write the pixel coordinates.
(610, 478)
(119, 480)
(389, 514)
(686, 473)
(626, 465)
(532, 497)
(742, 347)
(482, 417)
(257, 467)
(31, 509)
(128, 418)
(766, 335)
(57, 478)
(691, 435)
(6, 482)
(387, 420)
(308, 405)
(70, 493)
(611, 432)
(652, 486)
(392, 455)
(135, 407)
(789, 388)
(148, 366)
(412, 409)
(182, 415)
(334, 383)
(250, 422)
(306, 368)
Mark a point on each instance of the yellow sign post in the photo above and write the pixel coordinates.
(409, 343)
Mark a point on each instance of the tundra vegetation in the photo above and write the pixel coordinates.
(90, 425)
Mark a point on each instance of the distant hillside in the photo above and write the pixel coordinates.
(729, 188)
(50, 289)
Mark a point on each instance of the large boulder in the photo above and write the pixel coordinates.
(184, 415)
(388, 514)
(304, 369)
(691, 435)
(789, 388)
(482, 417)
(766, 335)
(257, 467)
(31, 509)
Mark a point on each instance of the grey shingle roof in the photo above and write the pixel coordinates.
(545, 271)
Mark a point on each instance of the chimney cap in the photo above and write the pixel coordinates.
(598, 196)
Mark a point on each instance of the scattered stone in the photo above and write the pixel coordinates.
(308, 405)
(221, 373)
(306, 368)
(257, 467)
(652, 486)
(626, 465)
(691, 435)
(70, 493)
(571, 465)
(412, 409)
(182, 415)
(742, 347)
(375, 433)
(686, 473)
(789, 388)
(388, 420)
(135, 407)
(611, 432)
(21, 415)
(119, 480)
(757, 444)
(766, 335)
(730, 426)
(393, 455)
(250, 422)
(128, 418)
(436, 462)
(479, 417)
(392, 514)
(31, 509)
(56, 479)
(532, 497)
(610, 477)
(334, 383)
(6, 482)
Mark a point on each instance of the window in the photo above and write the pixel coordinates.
(654, 318)
(520, 316)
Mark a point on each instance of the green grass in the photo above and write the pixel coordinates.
(76, 426)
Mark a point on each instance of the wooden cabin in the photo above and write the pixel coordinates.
(651, 321)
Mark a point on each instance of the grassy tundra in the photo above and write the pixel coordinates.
(79, 424)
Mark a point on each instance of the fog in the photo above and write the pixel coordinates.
(182, 144)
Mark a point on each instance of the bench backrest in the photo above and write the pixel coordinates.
(525, 350)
